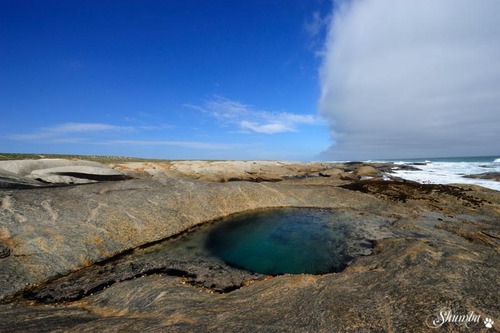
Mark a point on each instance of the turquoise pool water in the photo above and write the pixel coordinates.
(279, 241)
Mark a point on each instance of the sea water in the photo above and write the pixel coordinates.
(451, 170)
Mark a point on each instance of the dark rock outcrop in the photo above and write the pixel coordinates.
(4, 251)
(487, 175)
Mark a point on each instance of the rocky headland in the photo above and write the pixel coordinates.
(79, 240)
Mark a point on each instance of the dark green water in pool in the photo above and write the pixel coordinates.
(293, 240)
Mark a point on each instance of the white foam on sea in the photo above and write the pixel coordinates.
(451, 173)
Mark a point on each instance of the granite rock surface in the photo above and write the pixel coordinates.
(35, 173)
(74, 258)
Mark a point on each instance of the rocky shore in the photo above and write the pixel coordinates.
(78, 240)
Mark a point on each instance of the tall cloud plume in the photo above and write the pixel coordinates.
(412, 78)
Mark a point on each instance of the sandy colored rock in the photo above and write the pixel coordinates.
(34, 173)
(335, 172)
(348, 176)
(13, 181)
(271, 171)
(435, 246)
(77, 174)
(71, 227)
(367, 171)
(26, 167)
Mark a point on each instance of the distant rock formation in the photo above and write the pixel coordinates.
(487, 175)
(21, 173)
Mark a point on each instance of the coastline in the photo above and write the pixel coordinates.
(474, 170)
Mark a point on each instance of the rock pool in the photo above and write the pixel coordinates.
(279, 241)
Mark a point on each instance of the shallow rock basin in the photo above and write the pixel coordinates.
(226, 254)
(279, 241)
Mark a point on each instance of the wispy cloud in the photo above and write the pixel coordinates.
(266, 128)
(59, 133)
(249, 119)
(86, 127)
(102, 134)
(155, 127)
(184, 144)
(316, 24)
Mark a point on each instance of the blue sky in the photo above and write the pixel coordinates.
(179, 79)
(251, 79)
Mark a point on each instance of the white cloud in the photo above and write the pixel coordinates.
(184, 144)
(250, 119)
(412, 78)
(316, 24)
(267, 128)
(81, 132)
(155, 127)
(59, 133)
(85, 127)
(99, 134)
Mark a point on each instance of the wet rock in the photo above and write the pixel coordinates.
(4, 251)
(209, 274)
(407, 190)
(487, 175)
(406, 167)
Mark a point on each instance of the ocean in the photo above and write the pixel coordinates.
(449, 170)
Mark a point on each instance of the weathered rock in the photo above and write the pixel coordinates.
(352, 166)
(487, 175)
(348, 176)
(4, 251)
(194, 262)
(331, 172)
(77, 174)
(71, 227)
(257, 171)
(438, 247)
(205, 273)
(26, 167)
(9, 180)
(367, 171)
(20, 174)
(408, 167)
(137, 174)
